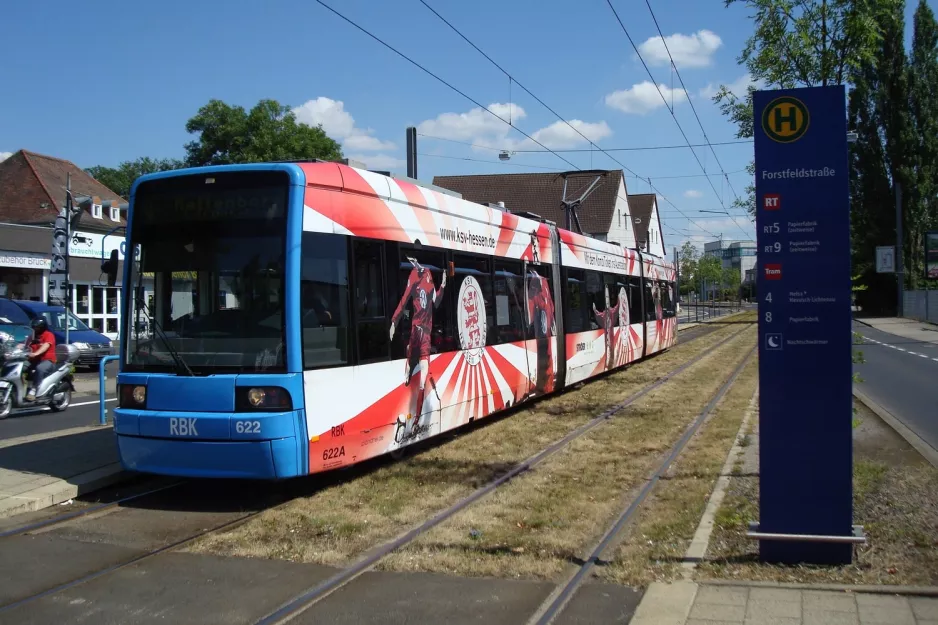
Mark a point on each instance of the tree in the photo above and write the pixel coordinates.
(731, 281)
(687, 259)
(121, 178)
(709, 271)
(799, 43)
(268, 132)
(922, 210)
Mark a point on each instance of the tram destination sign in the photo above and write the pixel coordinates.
(805, 365)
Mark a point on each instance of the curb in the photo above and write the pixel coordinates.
(62, 490)
(927, 451)
(924, 591)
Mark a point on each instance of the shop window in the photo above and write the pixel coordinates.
(98, 325)
(112, 326)
(82, 299)
(112, 306)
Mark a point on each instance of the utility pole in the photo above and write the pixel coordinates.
(899, 274)
(68, 240)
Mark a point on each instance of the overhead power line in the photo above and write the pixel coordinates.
(574, 150)
(691, 102)
(512, 79)
(665, 100)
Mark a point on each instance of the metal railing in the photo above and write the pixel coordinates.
(102, 376)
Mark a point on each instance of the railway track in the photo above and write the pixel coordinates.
(264, 504)
(306, 600)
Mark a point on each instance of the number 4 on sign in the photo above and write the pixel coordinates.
(768, 297)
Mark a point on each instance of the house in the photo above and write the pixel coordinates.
(603, 215)
(646, 222)
(32, 192)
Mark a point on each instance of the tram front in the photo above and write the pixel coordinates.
(211, 383)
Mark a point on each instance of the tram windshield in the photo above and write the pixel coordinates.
(208, 279)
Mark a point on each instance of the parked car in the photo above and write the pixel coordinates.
(92, 346)
(14, 322)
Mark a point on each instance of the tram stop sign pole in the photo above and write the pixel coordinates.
(805, 337)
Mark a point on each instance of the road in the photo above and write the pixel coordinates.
(83, 411)
(901, 375)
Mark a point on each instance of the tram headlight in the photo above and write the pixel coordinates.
(262, 398)
(133, 396)
(256, 397)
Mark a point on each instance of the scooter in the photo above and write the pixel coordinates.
(56, 389)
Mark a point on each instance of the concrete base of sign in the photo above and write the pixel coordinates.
(796, 552)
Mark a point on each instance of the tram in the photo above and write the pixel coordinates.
(284, 319)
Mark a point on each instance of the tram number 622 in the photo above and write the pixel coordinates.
(333, 452)
(248, 427)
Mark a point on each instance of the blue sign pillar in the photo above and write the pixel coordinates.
(805, 365)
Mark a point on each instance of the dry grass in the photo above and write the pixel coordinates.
(660, 535)
(540, 522)
(338, 523)
(895, 499)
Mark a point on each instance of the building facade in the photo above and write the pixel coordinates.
(32, 192)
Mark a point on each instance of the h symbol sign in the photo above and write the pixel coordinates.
(790, 118)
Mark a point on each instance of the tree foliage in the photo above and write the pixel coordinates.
(120, 179)
(799, 43)
(687, 261)
(268, 132)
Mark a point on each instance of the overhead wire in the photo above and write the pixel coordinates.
(665, 100)
(692, 107)
(514, 80)
(574, 150)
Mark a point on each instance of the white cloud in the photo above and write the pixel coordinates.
(477, 124)
(643, 98)
(694, 50)
(693, 193)
(481, 128)
(738, 87)
(384, 162)
(5, 155)
(339, 124)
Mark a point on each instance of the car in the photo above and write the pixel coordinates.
(92, 346)
(14, 322)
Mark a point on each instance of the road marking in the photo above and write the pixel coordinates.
(90, 403)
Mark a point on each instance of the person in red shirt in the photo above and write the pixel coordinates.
(42, 356)
(421, 291)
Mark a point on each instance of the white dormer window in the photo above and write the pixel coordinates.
(115, 213)
(96, 211)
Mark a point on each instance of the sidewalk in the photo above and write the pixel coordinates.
(904, 328)
(690, 603)
(46, 469)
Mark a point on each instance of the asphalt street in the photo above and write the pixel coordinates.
(901, 375)
(84, 411)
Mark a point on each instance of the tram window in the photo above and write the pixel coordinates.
(635, 300)
(324, 300)
(651, 306)
(478, 268)
(667, 305)
(596, 296)
(509, 302)
(370, 315)
(575, 301)
(417, 299)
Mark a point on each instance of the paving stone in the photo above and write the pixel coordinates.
(773, 620)
(826, 617)
(924, 608)
(829, 601)
(718, 612)
(886, 616)
(694, 621)
(773, 608)
(723, 595)
(775, 594)
(883, 601)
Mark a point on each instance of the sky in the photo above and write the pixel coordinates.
(102, 82)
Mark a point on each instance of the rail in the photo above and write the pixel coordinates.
(102, 376)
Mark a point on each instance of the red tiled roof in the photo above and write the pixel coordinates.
(32, 190)
(542, 194)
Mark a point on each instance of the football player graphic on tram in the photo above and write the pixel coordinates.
(608, 319)
(425, 298)
(541, 319)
